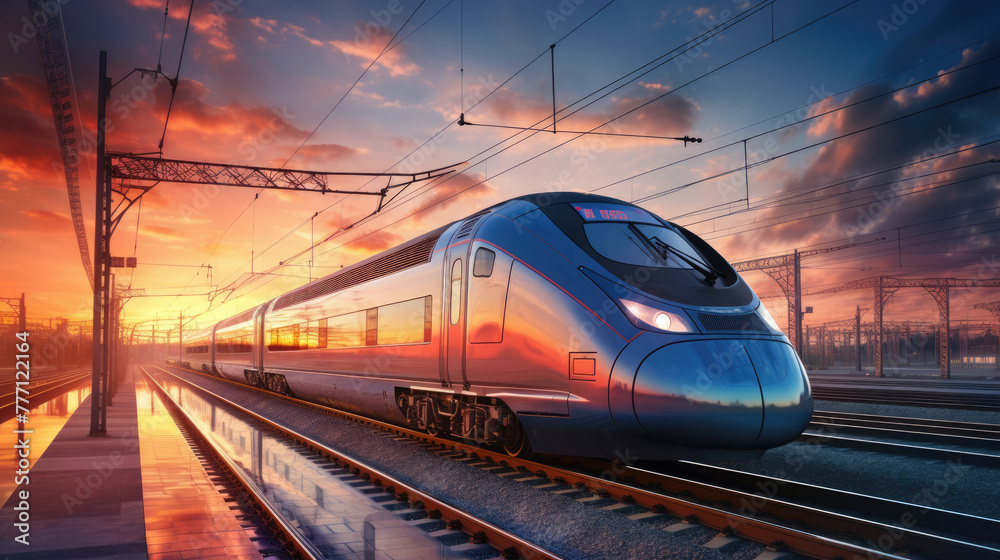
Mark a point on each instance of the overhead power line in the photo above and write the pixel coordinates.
(177, 75)
(356, 82)
(644, 69)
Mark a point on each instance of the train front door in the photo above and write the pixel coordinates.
(453, 317)
(258, 340)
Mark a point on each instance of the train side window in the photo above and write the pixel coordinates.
(456, 291)
(483, 267)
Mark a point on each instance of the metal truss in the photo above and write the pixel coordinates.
(786, 270)
(58, 79)
(939, 288)
(144, 168)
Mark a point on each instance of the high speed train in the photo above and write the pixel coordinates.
(556, 323)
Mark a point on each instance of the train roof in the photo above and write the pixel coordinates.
(545, 199)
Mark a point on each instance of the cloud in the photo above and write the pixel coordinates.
(646, 109)
(884, 175)
(374, 242)
(273, 28)
(327, 153)
(268, 25)
(29, 155)
(366, 50)
(655, 86)
(48, 218)
(164, 233)
(208, 22)
(450, 199)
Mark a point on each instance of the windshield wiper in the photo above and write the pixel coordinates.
(662, 250)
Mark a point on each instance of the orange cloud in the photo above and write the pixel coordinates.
(393, 60)
(49, 218)
(328, 152)
(272, 27)
(28, 151)
(208, 23)
(201, 131)
(149, 4)
(269, 25)
(829, 123)
(164, 233)
(930, 87)
(375, 242)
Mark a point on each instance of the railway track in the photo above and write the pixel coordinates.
(960, 442)
(480, 532)
(739, 505)
(42, 390)
(970, 433)
(883, 524)
(981, 395)
(941, 432)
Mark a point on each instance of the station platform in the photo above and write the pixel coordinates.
(137, 493)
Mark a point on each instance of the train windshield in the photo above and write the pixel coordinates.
(632, 236)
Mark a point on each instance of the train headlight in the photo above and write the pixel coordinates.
(766, 315)
(662, 321)
(658, 319)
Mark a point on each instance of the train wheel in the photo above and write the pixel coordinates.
(516, 443)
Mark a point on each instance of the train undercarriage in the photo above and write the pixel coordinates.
(486, 421)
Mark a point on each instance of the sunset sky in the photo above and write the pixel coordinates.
(874, 123)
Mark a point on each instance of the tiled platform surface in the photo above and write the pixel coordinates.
(186, 517)
(138, 493)
(85, 493)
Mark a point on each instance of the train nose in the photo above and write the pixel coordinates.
(722, 394)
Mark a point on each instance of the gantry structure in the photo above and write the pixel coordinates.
(994, 308)
(939, 288)
(786, 270)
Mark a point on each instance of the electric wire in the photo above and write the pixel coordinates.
(709, 236)
(174, 81)
(163, 34)
(358, 80)
(699, 39)
(866, 198)
(135, 244)
(434, 135)
(411, 196)
(815, 144)
(702, 37)
(790, 125)
(782, 198)
(437, 183)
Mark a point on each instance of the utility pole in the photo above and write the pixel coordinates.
(180, 338)
(805, 347)
(141, 173)
(98, 413)
(797, 286)
(112, 341)
(22, 316)
(857, 334)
